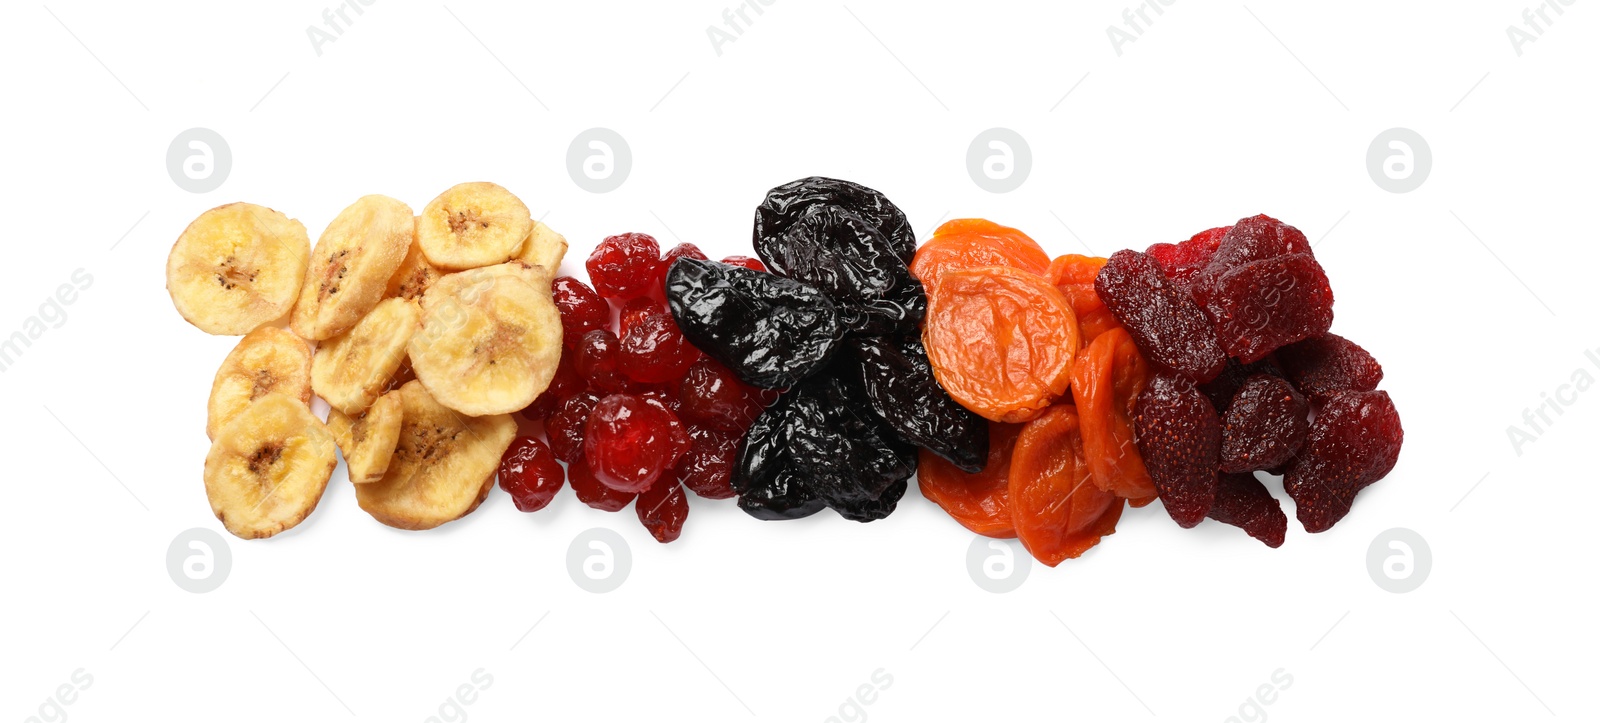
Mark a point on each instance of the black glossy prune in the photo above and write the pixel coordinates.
(850, 455)
(898, 382)
(768, 485)
(849, 241)
(784, 497)
(873, 510)
(771, 331)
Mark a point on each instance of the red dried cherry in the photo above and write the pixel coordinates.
(628, 442)
(683, 250)
(707, 468)
(662, 509)
(714, 396)
(635, 311)
(530, 473)
(564, 384)
(654, 350)
(625, 265)
(566, 424)
(591, 492)
(582, 310)
(598, 361)
(749, 262)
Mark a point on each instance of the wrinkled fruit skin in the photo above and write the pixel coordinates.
(628, 442)
(565, 426)
(749, 262)
(624, 266)
(653, 350)
(1323, 365)
(1354, 441)
(1245, 503)
(598, 361)
(530, 473)
(1266, 423)
(849, 242)
(683, 250)
(981, 501)
(635, 311)
(900, 386)
(1252, 239)
(1268, 304)
(1058, 513)
(1221, 390)
(564, 384)
(821, 444)
(662, 510)
(1181, 261)
(1170, 329)
(1180, 440)
(591, 492)
(712, 395)
(770, 331)
(582, 310)
(707, 468)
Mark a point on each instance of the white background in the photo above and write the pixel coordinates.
(1209, 116)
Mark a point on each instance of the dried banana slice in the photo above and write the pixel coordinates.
(353, 369)
(266, 360)
(544, 248)
(442, 468)
(268, 467)
(368, 441)
(351, 265)
(237, 267)
(472, 225)
(414, 276)
(490, 338)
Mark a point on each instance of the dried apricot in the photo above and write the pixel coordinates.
(1001, 341)
(1074, 275)
(1106, 378)
(981, 501)
(968, 243)
(1057, 510)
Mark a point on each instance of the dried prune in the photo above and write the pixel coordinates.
(1264, 425)
(899, 384)
(1261, 306)
(786, 205)
(850, 455)
(968, 243)
(1245, 503)
(749, 262)
(1057, 510)
(1322, 365)
(1106, 379)
(874, 509)
(1354, 441)
(1182, 260)
(1180, 440)
(1001, 341)
(764, 477)
(771, 331)
(1171, 330)
(980, 501)
(900, 312)
(783, 496)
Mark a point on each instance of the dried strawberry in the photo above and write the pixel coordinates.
(1265, 305)
(662, 509)
(1166, 325)
(1264, 426)
(1330, 363)
(1182, 260)
(1245, 503)
(1251, 239)
(591, 492)
(1180, 439)
(1221, 390)
(1354, 441)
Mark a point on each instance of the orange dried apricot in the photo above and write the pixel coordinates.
(967, 243)
(1074, 276)
(1001, 341)
(1106, 377)
(980, 502)
(1056, 508)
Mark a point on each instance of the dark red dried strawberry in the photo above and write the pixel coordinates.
(566, 424)
(1166, 325)
(564, 384)
(1221, 390)
(1354, 441)
(530, 473)
(625, 265)
(1245, 503)
(591, 492)
(1264, 426)
(1182, 260)
(582, 310)
(1251, 239)
(1180, 439)
(707, 468)
(1261, 306)
(1330, 363)
(663, 509)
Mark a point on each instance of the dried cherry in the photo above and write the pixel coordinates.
(598, 362)
(629, 442)
(712, 395)
(566, 382)
(653, 350)
(1057, 510)
(625, 265)
(1168, 326)
(899, 384)
(663, 509)
(770, 331)
(749, 262)
(582, 310)
(530, 473)
(1180, 440)
(707, 468)
(1001, 341)
(979, 501)
(565, 425)
(635, 311)
(591, 492)
(1354, 441)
